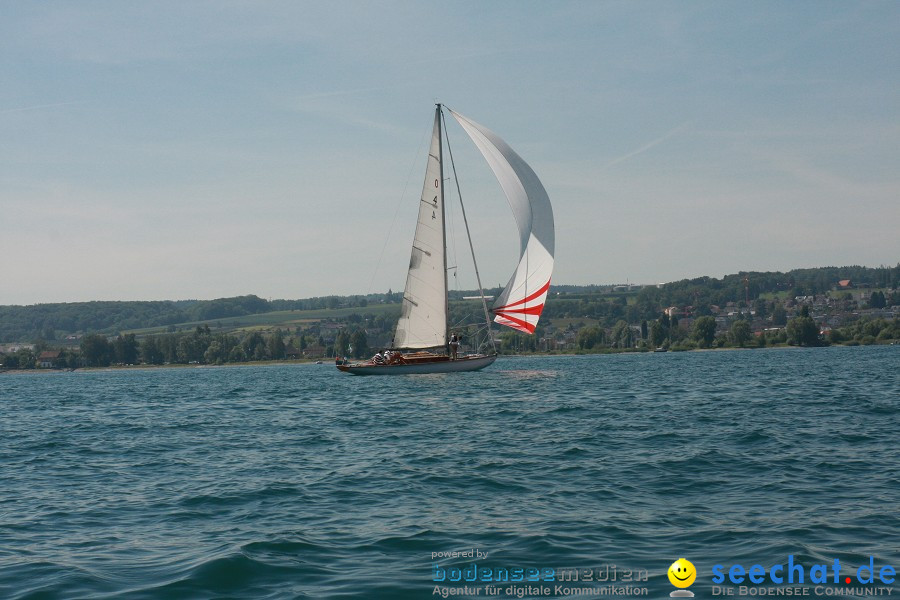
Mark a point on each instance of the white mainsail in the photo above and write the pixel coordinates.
(520, 304)
(423, 315)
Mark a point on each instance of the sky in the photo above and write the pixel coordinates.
(197, 150)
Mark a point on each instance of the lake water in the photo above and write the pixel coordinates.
(301, 482)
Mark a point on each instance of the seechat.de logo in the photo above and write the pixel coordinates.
(794, 572)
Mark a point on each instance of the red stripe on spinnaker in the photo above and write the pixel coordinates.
(529, 298)
(517, 323)
(528, 310)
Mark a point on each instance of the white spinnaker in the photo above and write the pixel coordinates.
(520, 304)
(423, 316)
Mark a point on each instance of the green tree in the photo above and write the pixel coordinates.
(69, 359)
(360, 343)
(276, 345)
(191, 348)
(95, 350)
(341, 343)
(776, 337)
(657, 333)
(23, 358)
(741, 333)
(869, 328)
(507, 341)
(588, 337)
(890, 331)
(760, 307)
(802, 331)
(237, 354)
(151, 353)
(704, 331)
(622, 336)
(125, 349)
(27, 358)
(168, 345)
(779, 315)
(215, 354)
(254, 346)
(664, 321)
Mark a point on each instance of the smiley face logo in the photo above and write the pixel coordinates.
(682, 573)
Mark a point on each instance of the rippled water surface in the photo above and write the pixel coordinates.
(299, 481)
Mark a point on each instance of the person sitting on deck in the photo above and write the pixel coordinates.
(378, 359)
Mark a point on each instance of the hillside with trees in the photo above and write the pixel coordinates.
(51, 322)
(845, 305)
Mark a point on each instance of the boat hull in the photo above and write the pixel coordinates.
(467, 363)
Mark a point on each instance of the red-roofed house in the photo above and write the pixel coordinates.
(48, 358)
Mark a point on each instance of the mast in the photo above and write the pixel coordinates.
(438, 118)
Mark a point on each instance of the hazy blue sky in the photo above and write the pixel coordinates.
(173, 150)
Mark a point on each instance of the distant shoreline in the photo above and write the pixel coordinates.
(255, 363)
(314, 362)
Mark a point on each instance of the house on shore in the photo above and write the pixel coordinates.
(314, 351)
(49, 359)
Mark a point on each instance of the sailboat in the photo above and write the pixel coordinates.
(423, 342)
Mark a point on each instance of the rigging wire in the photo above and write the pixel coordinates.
(451, 229)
